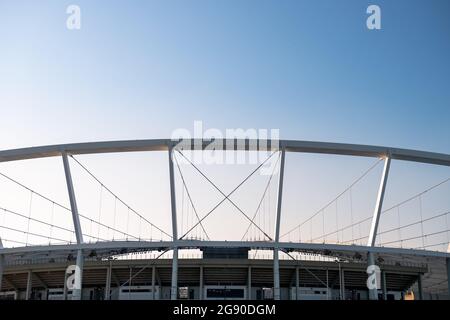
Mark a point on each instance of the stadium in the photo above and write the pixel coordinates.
(272, 266)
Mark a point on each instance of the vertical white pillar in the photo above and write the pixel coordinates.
(29, 285)
(379, 203)
(276, 262)
(76, 292)
(72, 199)
(373, 293)
(174, 283)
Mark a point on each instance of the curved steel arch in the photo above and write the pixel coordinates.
(228, 144)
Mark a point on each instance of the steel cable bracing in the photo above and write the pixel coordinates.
(66, 209)
(334, 199)
(421, 221)
(384, 212)
(263, 197)
(118, 198)
(34, 234)
(226, 196)
(397, 206)
(417, 195)
(189, 197)
(45, 223)
(413, 238)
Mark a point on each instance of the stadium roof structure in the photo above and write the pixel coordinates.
(438, 261)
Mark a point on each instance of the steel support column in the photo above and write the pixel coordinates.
(77, 288)
(72, 199)
(419, 286)
(108, 282)
(1, 271)
(153, 282)
(174, 283)
(383, 285)
(342, 283)
(65, 286)
(29, 285)
(276, 262)
(379, 204)
(76, 292)
(373, 292)
(297, 282)
(1, 265)
(249, 283)
(200, 294)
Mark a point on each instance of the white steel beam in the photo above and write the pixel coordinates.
(234, 144)
(76, 293)
(379, 203)
(276, 262)
(72, 199)
(373, 293)
(173, 205)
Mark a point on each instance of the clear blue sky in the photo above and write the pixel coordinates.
(141, 69)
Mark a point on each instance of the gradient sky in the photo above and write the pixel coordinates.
(311, 69)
